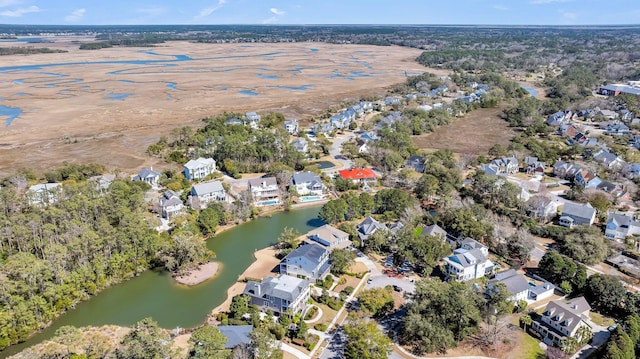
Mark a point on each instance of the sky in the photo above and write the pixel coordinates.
(213, 12)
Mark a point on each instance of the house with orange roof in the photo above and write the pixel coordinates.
(359, 175)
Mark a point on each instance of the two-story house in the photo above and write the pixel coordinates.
(329, 237)
(206, 192)
(300, 145)
(516, 284)
(620, 226)
(252, 119)
(574, 214)
(264, 190)
(562, 319)
(608, 159)
(468, 262)
(307, 184)
(148, 175)
(368, 227)
(310, 260)
(44, 193)
(199, 169)
(291, 126)
(279, 294)
(170, 204)
(359, 175)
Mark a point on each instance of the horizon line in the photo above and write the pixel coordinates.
(354, 24)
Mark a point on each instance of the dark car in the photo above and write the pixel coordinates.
(397, 288)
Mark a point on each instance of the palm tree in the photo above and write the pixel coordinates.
(585, 334)
(569, 345)
(525, 320)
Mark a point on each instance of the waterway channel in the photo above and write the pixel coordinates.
(155, 294)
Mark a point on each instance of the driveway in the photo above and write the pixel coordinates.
(381, 281)
(335, 347)
(336, 154)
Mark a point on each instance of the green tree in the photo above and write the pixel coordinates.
(334, 211)
(526, 321)
(208, 221)
(569, 345)
(146, 340)
(341, 260)
(288, 238)
(605, 292)
(239, 306)
(365, 340)
(207, 342)
(264, 344)
(376, 301)
(586, 245)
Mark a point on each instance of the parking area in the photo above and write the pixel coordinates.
(381, 281)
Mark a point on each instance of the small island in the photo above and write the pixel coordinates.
(202, 273)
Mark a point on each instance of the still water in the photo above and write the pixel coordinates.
(154, 294)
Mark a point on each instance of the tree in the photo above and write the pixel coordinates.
(605, 292)
(584, 334)
(365, 340)
(569, 345)
(146, 340)
(208, 342)
(438, 315)
(526, 321)
(586, 245)
(334, 211)
(264, 344)
(341, 260)
(376, 301)
(242, 351)
(208, 221)
(239, 306)
(519, 245)
(391, 200)
(288, 238)
(422, 251)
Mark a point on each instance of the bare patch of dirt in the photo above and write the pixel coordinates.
(474, 134)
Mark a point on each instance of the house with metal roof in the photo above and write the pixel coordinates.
(307, 184)
(359, 175)
(574, 214)
(279, 294)
(148, 175)
(620, 226)
(199, 168)
(310, 261)
(516, 284)
(236, 335)
(206, 192)
(562, 319)
(170, 204)
(368, 227)
(329, 237)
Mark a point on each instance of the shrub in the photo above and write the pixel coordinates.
(320, 327)
(348, 290)
(310, 313)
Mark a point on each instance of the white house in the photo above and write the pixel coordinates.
(516, 284)
(291, 126)
(300, 145)
(280, 294)
(620, 226)
(170, 204)
(468, 262)
(264, 190)
(307, 184)
(148, 175)
(574, 214)
(207, 192)
(252, 119)
(44, 193)
(562, 319)
(368, 227)
(199, 168)
(309, 261)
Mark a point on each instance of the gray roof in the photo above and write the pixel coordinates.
(283, 287)
(514, 282)
(311, 251)
(304, 177)
(257, 182)
(578, 210)
(568, 314)
(170, 198)
(146, 173)
(236, 335)
(467, 258)
(541, 288)
(207, 187)
(434, 230)
(43, 187)
(368, 226)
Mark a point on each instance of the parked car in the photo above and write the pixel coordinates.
(397, 288)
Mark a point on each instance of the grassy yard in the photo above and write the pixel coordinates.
(601, 319)
(529, 348)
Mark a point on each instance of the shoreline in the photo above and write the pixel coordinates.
(203, 273)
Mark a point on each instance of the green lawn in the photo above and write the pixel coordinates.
(529, 347)
(601, 319)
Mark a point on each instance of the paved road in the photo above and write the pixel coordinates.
(381, 281)
(335, 347)
(336, 153)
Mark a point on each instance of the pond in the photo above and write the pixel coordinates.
(323, 165)
(11, 113)
(155, 294)
(533, 92)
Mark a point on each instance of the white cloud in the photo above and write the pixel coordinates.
(538, 2)
(20, 11)
(276, 11)
(500, 7)
(75, 15)
(210, 10)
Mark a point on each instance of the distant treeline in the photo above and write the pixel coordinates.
(145, 42)
(20, 50)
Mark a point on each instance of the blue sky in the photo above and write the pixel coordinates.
(498, 12)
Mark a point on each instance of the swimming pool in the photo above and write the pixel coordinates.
(269, 203)
(310, 198)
